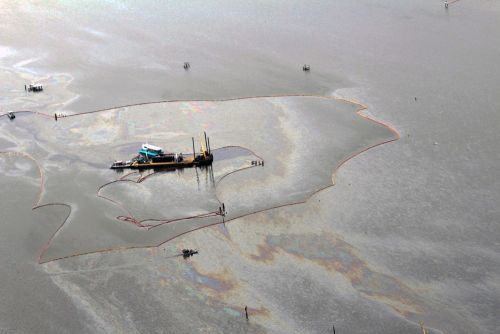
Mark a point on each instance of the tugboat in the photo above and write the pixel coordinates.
(151, 156)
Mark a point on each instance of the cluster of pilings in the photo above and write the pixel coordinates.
(33, 88)
(222, 210)
(59, 115)
(208, 151)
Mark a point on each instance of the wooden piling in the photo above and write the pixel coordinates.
(206, 145)
(194, 152)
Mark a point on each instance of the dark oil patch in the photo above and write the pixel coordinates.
(334, 254)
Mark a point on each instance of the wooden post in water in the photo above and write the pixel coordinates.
(206, 145)
(194, 152)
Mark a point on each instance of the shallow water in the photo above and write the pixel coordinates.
(73, 154)
(409, 233)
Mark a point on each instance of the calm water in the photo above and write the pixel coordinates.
(417, 218)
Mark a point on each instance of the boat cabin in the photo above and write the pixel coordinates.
(150, 150)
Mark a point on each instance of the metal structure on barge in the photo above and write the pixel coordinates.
(153, 157)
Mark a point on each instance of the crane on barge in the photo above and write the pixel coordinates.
(151, 156)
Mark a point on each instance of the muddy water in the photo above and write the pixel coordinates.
(409, 232)
(110, 210)
(115, 54)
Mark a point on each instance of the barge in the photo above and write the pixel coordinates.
(154, 157)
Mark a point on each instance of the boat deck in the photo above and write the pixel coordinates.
(188, 161)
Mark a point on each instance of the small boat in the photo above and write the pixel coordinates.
(188, 252)
(121, 164)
